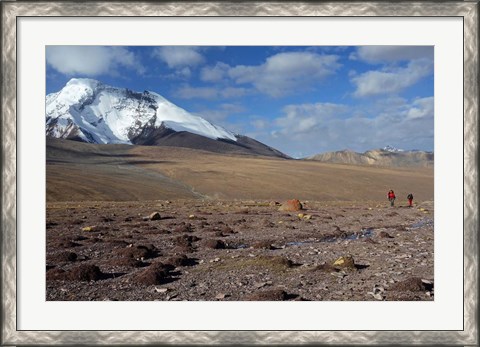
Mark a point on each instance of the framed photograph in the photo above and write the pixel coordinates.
(240, 173)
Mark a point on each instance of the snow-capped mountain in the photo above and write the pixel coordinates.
(89, 111)
(392, 149)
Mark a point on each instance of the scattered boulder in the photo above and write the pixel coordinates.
(127, 262)
(66, 256)
(55, 274)
(214, 244)
(185, 239)
(138, 252)
(344, 262)
(411, 284)
(263, 245)
(157, 273)
(155, 216)
(85, 273)
(180, 260)
(184, 228)
(385, 235)
(291, 206)
(79, 238)
(227, 230)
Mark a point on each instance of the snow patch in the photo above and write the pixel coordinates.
(116, 115)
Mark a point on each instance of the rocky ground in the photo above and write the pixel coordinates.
(239, 250)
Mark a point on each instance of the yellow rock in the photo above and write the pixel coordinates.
(308, 216)
(280, 222)
(343, 262)
(191, 216)
(91, 228)
(301, 215)
(421, 209)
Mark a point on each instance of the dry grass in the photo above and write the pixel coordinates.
(93, 172)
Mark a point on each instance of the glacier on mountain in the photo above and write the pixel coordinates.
(90, 111)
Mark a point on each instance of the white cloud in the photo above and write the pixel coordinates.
(286, 73)
(188, 92)
(91, 60)
(233, 92)
(219, 115)
(386, 54)
(391, 80)
(210, 93)
(421, 108)
(316, 128)
(179, 56)
(259, 124)
(214, 73)
(304, 118)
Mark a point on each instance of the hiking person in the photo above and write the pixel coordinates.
(391, 197)
(410, 200)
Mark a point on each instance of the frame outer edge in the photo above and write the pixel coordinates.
(471, 129)
(11, 10)
(8, 127)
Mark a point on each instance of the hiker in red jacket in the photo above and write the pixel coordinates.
(391, 197)
(410, 200)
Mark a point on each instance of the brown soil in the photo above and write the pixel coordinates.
(86, 172)
(263, 253)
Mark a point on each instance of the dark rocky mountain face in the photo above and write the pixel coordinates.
(88, 111)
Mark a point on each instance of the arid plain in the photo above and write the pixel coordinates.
(167, 223)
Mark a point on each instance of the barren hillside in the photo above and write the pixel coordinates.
(79, 171)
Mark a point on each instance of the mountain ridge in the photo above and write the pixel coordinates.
(87, 110)
(384, 157)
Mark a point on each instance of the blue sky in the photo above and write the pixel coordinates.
(300, 100)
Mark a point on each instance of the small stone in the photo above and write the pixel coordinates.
(291, 206)
(161, 290)
(376, 295)
(258, 285)
(154, 216)
(307, 216)
(301, 215)
(221, 296)
(385, 235)
(340, 274)
(192, 216)
(345, 262)
(89, 228)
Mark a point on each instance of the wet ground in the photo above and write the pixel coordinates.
(239, 250)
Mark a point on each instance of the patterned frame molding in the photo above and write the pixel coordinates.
(11, 10)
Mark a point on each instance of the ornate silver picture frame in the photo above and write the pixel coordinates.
(13, 11)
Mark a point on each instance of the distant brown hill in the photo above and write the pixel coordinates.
(378, 157)
(79, 171)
